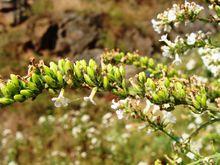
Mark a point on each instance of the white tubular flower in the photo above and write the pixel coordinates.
(90, 98)
(177, 60)
(61, 101)
(191, 39)
(166, 51)
(190, 155)
(120, 114)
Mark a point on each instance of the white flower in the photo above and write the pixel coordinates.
(196, 146)
(61, 101)
(12, 163)
(191, 39)
(151, 108)
(184, 137)
(120, 114)
(191, 64)
(169, 117)
(19, 136)
(179, 160)
(191, 126)
(164, 39)
(142, 163)
(42, 119)
(94, 141)
(83, 154)
(177, 59)
(85, 118)
(156, 26)
(90, 98)
(76, 131)
(166, 51)
(171, 15)
(115, 104)
(6, 132)
(190, 155)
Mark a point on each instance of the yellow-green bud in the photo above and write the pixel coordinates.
(50, 81)
(105, 82)
(19, 98)
(27, 93)
(6, 101)
(91, 72)
(14, 79)
(88, 80)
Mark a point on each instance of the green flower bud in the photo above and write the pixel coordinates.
(135, 90)
(117, 74)
(105, 82)
(83, 64)
(124, 84)
(48, 71)
(203, 100)
(50, 81)
(5, 91)
(142, 77)
(19, 98)
(144, 61)
(155, 98)
(14, 80)
(61, 64)
(179, 92)
(53, 67)
(27, 93)
(163, 95)
(166, 82)
(12, 88)
(150, 84)
(92, 64)
(37, 80)
(119, 56)
(68, 67)
(88, 80)
(78, 71)
(122, 71)
(91, 72)
(6, 101)
(217, 9)
(60, 78)
(196, 104)
(32, 86)
(151, 63)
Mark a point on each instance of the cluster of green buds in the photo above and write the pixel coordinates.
(159, 90)
(148, 64)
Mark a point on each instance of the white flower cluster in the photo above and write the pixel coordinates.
(118, 106)
(181, 46)
(174, 16)
(211, 59)
(154, 113)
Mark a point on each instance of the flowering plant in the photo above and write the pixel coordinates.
(153, 94)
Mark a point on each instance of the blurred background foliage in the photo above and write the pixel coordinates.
(37, 132)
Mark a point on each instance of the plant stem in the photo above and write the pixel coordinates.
(203, 126)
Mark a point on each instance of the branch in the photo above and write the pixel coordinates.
(158, 89)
